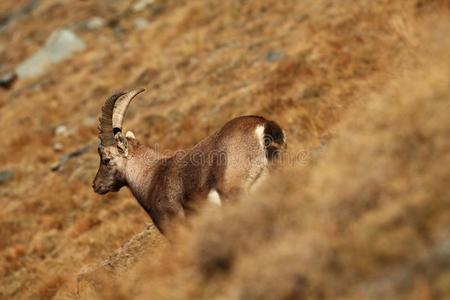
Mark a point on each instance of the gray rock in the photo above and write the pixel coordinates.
(5, 176)
(65, 158)
(61, 130)
(94, 23)
(274, 55)
(58, 147)
(140, 5)
(60, 45)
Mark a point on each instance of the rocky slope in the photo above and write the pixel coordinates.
(360, 86)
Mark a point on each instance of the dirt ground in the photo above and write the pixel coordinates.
(361, 88)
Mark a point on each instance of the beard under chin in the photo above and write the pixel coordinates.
(110, 189)
(113, 189)
(101, 192)
(116, 188)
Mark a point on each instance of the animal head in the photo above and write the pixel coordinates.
(113, 149)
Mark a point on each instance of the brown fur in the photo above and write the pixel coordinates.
(168, 187)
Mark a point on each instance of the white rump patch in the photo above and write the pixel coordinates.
(259, 163)
(213, 197)
(260, 134)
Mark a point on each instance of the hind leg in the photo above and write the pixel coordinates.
(258, 181)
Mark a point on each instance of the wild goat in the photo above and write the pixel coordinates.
(219, 168)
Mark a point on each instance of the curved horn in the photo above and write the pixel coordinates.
(105, 124)
(120, 109)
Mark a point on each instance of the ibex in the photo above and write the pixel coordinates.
(219, 168)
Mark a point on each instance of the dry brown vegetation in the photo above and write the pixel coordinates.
(362, 86)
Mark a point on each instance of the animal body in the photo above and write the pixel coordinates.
(219, 168)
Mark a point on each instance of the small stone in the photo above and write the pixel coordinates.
(274, 55)
(94, 23)
(61, 130)
(56, 166)
(58, 147)
(140, 23)
(141, 5)
(7, 80)
(65, 157)
(5, 176)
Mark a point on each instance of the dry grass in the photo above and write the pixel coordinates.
(367, 218)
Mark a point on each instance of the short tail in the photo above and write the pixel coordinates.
(274, 140)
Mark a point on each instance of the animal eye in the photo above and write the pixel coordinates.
(106, 161)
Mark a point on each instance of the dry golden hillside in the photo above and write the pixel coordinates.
(360, 209)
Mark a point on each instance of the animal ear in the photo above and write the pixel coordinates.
(121, 143)
(130, 135)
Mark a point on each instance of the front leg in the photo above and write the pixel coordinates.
(169, 218)
(168, 212)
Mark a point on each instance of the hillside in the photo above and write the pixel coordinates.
(361, 87)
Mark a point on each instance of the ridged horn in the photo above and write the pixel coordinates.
(105, 124)
(120, 109)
